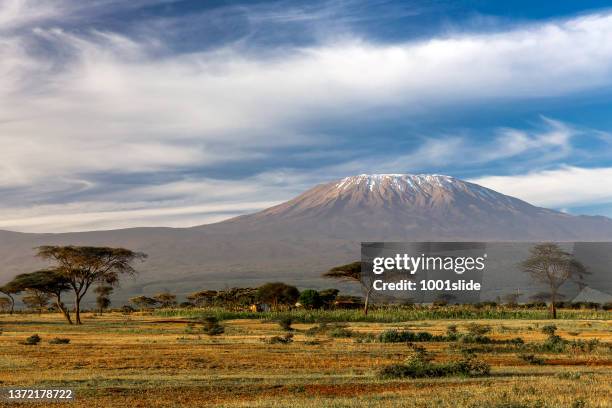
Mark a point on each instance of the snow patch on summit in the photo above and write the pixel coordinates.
(401, 182)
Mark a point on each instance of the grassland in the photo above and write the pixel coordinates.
(138, 360)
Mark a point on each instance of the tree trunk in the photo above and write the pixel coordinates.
(77, 309)
(553, 307)
(63, 309)
(366, 303)
(12, 303)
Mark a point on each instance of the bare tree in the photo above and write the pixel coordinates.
(511, 299)
(84, 266)
(551, 265)
(352, 273)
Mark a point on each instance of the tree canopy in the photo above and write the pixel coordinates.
(83, 266)
(50, 281)
(551, 265)
(278, 293)
(351, 272)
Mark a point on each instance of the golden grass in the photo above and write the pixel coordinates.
(146, 361)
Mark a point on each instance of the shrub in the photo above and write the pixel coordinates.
(59, 340)
(32, 340)
(554, 344)
(585, 346)
(127, 309)
(476, 329)
(607, 306)
(420, 365)
(285, 323)
(569, 375)
(310, 299)
(325, 328)
(517, 341)
(549, 329)
(286, 339)
(531, 359)
(395, 336)
(340, 332)
(211, 326)
(402, 336)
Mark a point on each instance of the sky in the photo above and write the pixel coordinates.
(118, 114)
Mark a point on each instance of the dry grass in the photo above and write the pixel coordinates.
(146, 361)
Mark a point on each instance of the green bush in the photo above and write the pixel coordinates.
(211, 326)
(340, 332)
(310, 299)
(402, 336)
(420, 365)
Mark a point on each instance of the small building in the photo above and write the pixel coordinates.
(260, 307)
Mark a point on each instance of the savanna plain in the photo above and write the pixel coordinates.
(211, 358)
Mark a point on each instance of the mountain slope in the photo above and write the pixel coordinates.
(416, 207)
(297, 240)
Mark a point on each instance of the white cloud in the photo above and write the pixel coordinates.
(79, 103)
(84, 216)
(550, 141)
(560, 188)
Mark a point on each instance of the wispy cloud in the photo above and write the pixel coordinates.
(76, 105)
(564, 187)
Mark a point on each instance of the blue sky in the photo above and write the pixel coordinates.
(157, 112)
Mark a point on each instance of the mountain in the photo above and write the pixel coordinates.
(415, 207)
(297, 240)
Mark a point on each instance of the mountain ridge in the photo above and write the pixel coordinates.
(297, 240)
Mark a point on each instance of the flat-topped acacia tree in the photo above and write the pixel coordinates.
(83, 266)
(352, 272)
(548, 263)
(49, 281)
(9, 290)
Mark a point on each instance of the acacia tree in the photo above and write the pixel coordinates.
(203, 297)
(5, 304)
(278, 293)
(36, 299)
(50, 281)
(142, 302)
(84, 266)
(352, 273)
(551, 265)
(103, 293)
(165, 299)
(9, 290)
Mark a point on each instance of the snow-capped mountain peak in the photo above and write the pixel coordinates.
(400, 182)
